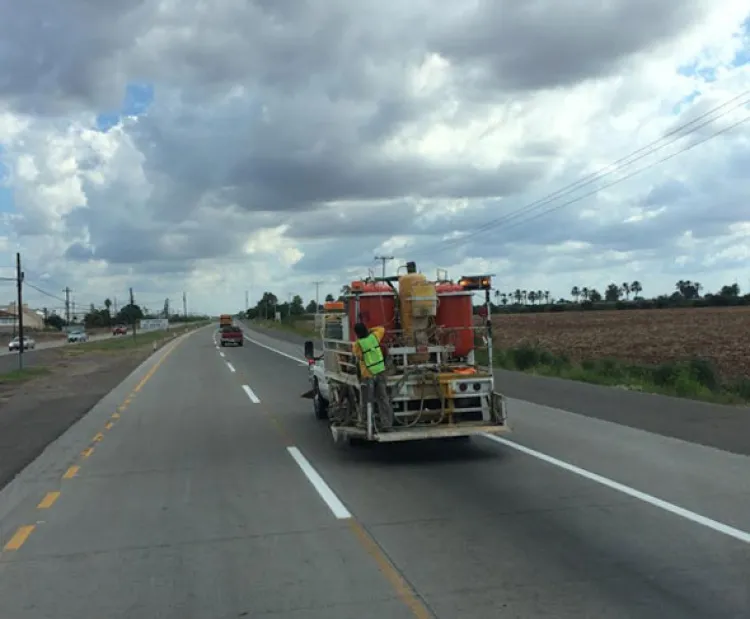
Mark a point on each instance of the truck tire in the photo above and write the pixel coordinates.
(241, 343)
(320, 406)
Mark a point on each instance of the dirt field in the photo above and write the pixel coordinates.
(640, 336)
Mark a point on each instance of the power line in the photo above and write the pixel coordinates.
(619, 180)
(677, 134)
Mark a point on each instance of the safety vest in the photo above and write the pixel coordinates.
(372, 354)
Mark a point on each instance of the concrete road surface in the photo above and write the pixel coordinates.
(204, 487)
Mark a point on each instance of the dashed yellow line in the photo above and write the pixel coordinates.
(71, 472)
(23, 532)
(48, 500)
(19, 537)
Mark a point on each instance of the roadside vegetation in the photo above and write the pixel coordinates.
(696, 378)
(21, 376)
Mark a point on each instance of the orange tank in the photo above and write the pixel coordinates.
(455, 311)
(377, 307)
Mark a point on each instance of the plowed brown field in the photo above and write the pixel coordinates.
(639, 336)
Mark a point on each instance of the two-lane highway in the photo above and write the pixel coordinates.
(204, 487)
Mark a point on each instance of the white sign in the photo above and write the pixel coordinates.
(153, 324)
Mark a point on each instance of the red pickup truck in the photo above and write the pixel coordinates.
(231, 335)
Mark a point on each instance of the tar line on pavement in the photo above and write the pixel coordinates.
(403, 589)
(23, 532)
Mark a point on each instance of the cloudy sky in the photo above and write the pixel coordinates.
(267, 144)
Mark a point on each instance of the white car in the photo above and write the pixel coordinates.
(77, 336)
(15, 344)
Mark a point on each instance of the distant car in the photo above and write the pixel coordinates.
(15, 344)
(120, 330)
(77, 336)
(231, 335)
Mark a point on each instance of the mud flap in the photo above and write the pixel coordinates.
(499, 407)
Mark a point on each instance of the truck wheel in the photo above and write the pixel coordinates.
(241, 343)
(320, 406)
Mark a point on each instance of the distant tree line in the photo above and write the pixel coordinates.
(627, 295)
(618, 297)
(100, 317)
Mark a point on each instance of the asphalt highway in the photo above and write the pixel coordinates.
(204, 487)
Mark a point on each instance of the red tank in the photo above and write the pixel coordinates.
(455, 309)
(377, 307)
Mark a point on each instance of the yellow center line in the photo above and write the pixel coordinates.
(109, 426)
(87, 452)
(48, 500)
(99, 436)
(71, 472)
(115, 415)
(19, 537)
(403, 589)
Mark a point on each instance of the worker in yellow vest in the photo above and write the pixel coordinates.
(372, 371)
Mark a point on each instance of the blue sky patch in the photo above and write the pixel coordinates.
(137, 100)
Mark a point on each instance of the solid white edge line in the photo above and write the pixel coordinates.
(231, 367)
(221, 354)
(251, 394)
(278, 352)
(322, 488)
(715, 525)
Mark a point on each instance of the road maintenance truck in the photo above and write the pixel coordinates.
(439, 362)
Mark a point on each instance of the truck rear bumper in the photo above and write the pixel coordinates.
(418, 434)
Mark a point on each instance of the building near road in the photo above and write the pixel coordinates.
(32, 319)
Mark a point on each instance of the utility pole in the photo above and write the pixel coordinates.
(67, 305)
(384, 259)
(19, 284)
(247, 300)
(184, 304)
(132, 311)
(317, 296)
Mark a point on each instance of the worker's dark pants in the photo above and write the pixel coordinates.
(376, 390)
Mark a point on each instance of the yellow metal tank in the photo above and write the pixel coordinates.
(406, 284)
(418, 303)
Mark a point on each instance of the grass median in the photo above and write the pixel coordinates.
(16, 377)
(288, 326)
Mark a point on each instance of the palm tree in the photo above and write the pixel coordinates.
(636, 288)
(585, 293)
(532, 297)
(626, 290)
(575, 292)
(108, 304)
